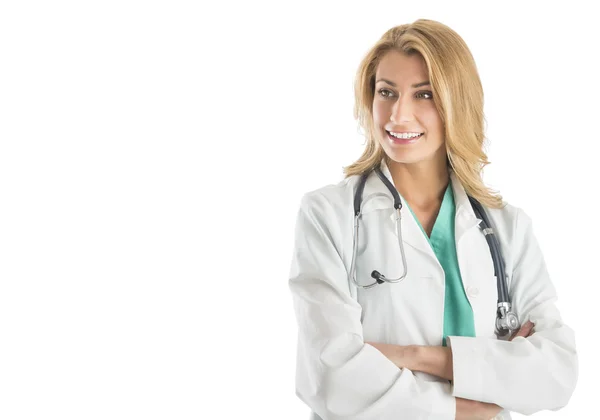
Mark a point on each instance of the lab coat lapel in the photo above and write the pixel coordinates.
(377, 197)
(465, 218)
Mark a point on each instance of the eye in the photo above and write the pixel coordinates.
(386, 93)
(381, 91)
(426, 93)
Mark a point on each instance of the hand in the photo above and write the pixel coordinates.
(526, 330)
(475, 410)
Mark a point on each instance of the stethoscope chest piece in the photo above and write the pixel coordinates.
(507, 322)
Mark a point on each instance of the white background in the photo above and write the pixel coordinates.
(152, 159)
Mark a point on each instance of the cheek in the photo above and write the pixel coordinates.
(433, 120)
(379, 113)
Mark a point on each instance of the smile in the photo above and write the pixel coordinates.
(408, 140)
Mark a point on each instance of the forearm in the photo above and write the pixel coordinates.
(437, 360)
(434, 360)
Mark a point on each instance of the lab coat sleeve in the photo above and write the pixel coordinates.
(338, 375)
(525, 375)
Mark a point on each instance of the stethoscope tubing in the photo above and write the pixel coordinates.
(506, 321)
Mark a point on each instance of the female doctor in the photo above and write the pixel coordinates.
(418, 338)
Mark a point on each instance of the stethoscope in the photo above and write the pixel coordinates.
(506, 320)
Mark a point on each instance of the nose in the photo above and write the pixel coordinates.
(402, 110)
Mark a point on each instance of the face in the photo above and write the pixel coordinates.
(403, 103)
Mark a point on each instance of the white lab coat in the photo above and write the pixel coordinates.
(341, 378)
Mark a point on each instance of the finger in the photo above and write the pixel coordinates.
(525, 329)
(531, 331)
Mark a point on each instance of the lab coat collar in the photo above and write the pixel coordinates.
(376, 197)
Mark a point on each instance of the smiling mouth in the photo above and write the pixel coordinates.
(398, 140)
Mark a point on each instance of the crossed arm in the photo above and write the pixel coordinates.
(486, 374)
(437, 361)
(434, 360)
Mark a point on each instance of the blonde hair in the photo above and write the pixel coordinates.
(458, 97)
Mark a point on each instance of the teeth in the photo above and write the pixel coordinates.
(405, 135)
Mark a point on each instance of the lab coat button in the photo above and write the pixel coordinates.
(472, 291)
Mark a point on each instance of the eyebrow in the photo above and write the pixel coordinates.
(416, 85)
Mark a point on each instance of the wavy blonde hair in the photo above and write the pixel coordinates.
(458, 97)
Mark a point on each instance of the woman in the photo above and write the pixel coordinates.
(424, 347)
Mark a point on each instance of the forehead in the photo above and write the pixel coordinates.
(401, 68)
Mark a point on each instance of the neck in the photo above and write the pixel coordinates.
(422, 184)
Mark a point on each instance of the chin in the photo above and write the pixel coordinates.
(402, 156)
(408, 157)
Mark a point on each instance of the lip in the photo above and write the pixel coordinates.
(395, 140)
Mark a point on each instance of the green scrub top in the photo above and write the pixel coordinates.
(458, 314)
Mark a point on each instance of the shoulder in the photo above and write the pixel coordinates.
(336, 197)
(504, 220)
(509, 218)
(328, 211)
(325, 214)
(513, 228)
